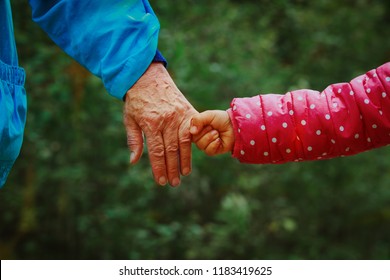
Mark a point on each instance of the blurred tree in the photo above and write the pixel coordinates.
(72, 194)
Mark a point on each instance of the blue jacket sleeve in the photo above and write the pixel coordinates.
(116, 40)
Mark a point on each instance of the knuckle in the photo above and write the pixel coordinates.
(157, 151)
(170, 115)
(210, 137)
(150, 124)
(133, 141)
(185, 141)
(172, 148)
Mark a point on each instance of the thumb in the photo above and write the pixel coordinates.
(135, 141)
(201, 120)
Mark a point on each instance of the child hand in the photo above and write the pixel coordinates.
(212, 132)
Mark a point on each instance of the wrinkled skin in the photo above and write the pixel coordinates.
(156, 108)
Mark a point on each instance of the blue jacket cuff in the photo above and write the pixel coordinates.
(160, 58)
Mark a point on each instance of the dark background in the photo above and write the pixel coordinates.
(73, 195)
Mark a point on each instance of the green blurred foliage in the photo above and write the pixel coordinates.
(73, 195)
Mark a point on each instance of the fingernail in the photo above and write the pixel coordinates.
(186, 171)
(132, 156)
(162, 181)
(175, 182)
(214, 132)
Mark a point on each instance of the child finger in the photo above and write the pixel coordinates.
(206, 139)
(199, 135)
(200, 120)
(213, 148)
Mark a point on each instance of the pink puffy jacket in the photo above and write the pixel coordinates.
(342, 120)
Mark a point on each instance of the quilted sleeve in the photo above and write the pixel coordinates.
(342, 120)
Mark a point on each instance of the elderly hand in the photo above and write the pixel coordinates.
(156, 107)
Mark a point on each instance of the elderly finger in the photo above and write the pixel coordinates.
(185, 149)
(156, 150)
(172, 157)
(135, 141)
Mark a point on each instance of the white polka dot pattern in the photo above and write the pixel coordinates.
(344, 119)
